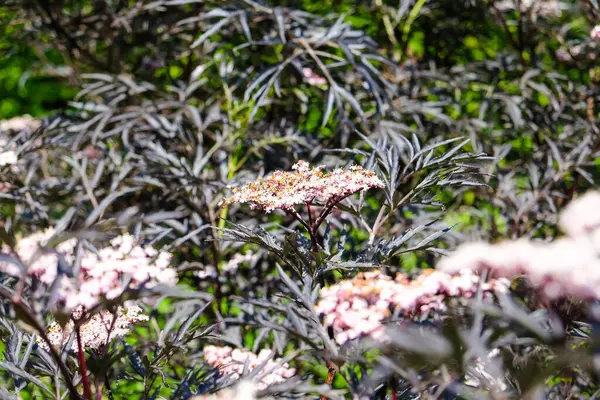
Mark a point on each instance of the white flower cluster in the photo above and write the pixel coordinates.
(98, 331)
(22, 123)
(284, 190)
(245, 390)
(233, 362)
(566, 267)
(8, 158)
(544, 8)
(104, 273)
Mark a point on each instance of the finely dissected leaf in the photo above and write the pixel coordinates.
(188, 322)
(350, 99)
(328, 107)
(211, 31)
(135, 360)
(16, 371)
(104, 204)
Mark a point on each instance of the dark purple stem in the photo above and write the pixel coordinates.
(327, 209)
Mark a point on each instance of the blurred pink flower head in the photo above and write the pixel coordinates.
(122, 265)
(104, 274)
(566, 267)
(581, 215)
(313, 78)
(360, 306)
(41, 262)
(232, 265)
(283, 190)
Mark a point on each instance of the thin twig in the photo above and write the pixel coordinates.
(108, 388)
(298, 218)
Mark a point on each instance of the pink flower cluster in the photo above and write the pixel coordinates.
(96, 332)
(581, 218)
(41, 263)
(102, 275)
(232, 361)
(566, 267)
(359, 307)
(283, 190)
(5, 187)
(313, 78)
(595, 33)
(244, 390)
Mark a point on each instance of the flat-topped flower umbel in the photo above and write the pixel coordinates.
(97, 331)
(286, 189)
(102, 274)
(360, 306)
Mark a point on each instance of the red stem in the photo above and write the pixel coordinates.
(312, 231)
(394, 386)
(309, 228)
(310, 217)
(87, 393)
(298, 218)
(327, 209)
